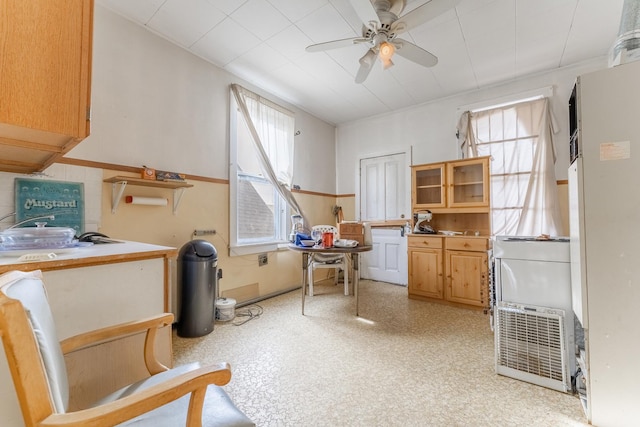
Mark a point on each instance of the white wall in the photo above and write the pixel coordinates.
(430, 128)
(155, 104)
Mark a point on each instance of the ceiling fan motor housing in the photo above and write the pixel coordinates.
(394, 6)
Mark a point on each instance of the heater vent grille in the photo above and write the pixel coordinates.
(530, 340)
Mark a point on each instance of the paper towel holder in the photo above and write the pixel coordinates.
(368, 238)
(118, 184)
(148, 201)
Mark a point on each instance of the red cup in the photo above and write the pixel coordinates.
(327, 240)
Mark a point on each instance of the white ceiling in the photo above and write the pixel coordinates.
(479, 43)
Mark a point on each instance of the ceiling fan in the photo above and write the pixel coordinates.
(382, 24)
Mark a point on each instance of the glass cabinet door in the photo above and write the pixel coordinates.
(428, 186)
(468, 183)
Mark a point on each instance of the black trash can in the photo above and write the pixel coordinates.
(198, 285)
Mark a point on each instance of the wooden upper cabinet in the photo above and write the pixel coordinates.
(452, 185)
(468, 183)
(45, 80)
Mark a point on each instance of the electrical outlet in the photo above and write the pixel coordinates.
(204, 232)
(263, 259)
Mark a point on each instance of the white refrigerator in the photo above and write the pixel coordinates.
(604, 203)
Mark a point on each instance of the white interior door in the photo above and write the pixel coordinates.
(384, 196)
(383, 188)
(387, 261)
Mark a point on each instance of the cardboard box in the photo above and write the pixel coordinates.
(350, 228)
(351, 231)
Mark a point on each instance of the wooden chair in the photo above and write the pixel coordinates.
(185, 396)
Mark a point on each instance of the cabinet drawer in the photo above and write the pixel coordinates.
(467, 244)
(416, 241)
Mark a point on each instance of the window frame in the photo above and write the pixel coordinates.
(237, 246)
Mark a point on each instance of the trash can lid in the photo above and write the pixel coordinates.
(198, 248)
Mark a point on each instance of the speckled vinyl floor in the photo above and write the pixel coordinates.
(401, 363)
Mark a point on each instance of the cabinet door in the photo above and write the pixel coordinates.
(45, 70)
(468, 183)
(467, 277)
(47, 87)
(425, 272)
(428, 189)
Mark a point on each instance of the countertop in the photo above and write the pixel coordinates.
(92, 255)
(471, 236)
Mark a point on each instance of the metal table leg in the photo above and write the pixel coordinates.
(356, 277)
(305, 266)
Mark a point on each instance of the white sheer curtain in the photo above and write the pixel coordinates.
(271, 128)
(541, 210)
(519, 138)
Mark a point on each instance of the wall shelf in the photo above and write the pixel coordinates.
(118, 184)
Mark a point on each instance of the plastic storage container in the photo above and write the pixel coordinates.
(39, 237)
(198, 284)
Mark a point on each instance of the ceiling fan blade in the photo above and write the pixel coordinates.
(365, 11)
(426, 12)
(366, 64)
(414, 53)
(335, 44)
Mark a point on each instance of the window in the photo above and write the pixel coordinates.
(258, 212)
(523, 186)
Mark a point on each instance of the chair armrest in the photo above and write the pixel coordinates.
(131, 406)
(110, 333)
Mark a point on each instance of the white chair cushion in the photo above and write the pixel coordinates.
(327, 258)
(218, 409)
(27, 287)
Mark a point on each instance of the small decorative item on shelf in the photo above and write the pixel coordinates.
(148, 173)
(169, 176)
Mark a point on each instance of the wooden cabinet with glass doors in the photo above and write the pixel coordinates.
(458, 195)
(468, 183)
(428, 189)
(451, 185)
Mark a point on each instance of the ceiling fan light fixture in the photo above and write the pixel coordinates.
(386, 51)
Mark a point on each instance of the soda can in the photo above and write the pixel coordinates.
(327, 240)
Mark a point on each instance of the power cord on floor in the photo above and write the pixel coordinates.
(251, 312)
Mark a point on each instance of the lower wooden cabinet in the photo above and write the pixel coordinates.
(426, 272)
(466, 277)
(464, 262)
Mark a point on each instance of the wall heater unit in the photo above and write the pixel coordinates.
(530, 345)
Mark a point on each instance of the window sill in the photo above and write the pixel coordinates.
(257, 248)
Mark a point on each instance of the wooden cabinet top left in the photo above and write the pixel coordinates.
(45, 64)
